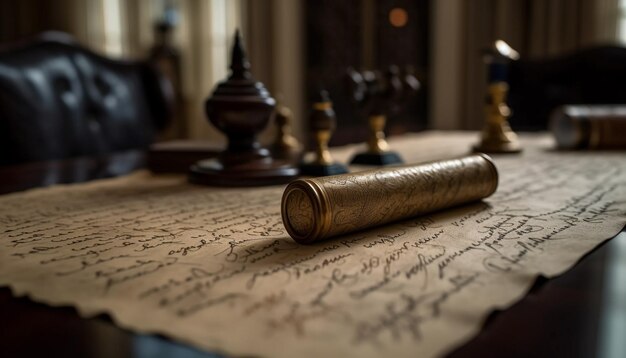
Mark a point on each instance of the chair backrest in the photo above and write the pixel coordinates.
(592, 76)
(60, 100)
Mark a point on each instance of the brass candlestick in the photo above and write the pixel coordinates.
(379, 96)
(497, 135)
(322, 121)
(378, 150)
(377, 142)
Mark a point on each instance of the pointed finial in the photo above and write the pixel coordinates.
(239, 66)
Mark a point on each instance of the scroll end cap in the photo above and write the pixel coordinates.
(298, 211)
(494, 171)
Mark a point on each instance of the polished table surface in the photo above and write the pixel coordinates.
(581, 313)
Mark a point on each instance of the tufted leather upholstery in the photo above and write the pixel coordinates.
(594, 75)
(58, 100)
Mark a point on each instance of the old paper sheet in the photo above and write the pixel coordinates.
(215, 268)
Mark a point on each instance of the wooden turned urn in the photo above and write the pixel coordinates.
(240, 107)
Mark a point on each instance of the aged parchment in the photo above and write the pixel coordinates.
(215, 268)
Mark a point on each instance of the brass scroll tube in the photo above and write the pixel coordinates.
(319, 208)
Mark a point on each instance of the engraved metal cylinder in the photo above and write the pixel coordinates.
(589, 127)
(319, 208)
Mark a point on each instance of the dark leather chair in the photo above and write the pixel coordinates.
(60, 100)
(591, 76)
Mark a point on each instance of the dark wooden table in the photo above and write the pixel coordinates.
(579, 314)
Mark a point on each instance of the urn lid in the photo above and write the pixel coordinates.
(240, 85)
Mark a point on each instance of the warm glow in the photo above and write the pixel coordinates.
(398, 17)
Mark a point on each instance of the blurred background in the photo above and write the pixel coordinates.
(296, 47)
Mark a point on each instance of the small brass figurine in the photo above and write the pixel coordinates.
(322, 121)
(497, 135)
(378, 150)
(240, 107)
(285, 146)
(380, 95)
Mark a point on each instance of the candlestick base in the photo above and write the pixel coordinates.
(384, 158)
(320, 170)
(258, 173)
